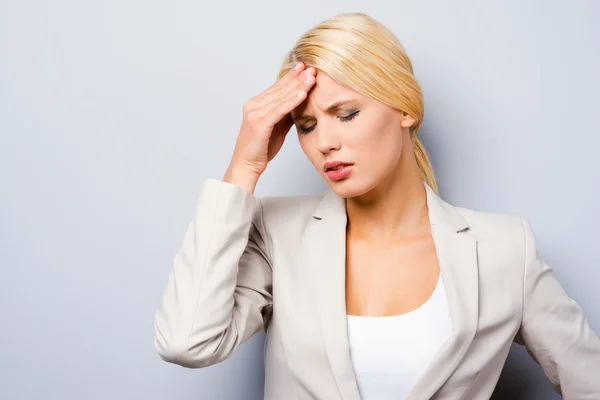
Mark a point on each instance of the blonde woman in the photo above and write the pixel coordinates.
(376, 289)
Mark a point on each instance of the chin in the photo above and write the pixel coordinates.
(347, 188)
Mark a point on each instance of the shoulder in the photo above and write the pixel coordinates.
(492, 226)
(293, 210)
(502, 239)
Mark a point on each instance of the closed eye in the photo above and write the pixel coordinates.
(346, 118)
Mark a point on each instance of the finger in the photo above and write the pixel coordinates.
(278, 109)
(284, 124)
(270, 94)
(283, 93)
(287, 78)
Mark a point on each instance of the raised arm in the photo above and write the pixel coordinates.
(219, 291)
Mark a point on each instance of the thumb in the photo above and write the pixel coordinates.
(284, 123)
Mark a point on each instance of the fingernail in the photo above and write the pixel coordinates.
(297, 67)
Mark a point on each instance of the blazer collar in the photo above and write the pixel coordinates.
(325, 251)
(440, 212)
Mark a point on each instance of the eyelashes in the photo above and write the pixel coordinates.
(347, 118)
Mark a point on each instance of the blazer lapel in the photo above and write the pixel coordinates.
(457, 255)
(325, 249)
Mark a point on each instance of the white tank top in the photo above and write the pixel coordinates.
(390, 353)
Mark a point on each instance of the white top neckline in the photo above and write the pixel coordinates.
(421, 308)
(390, 353)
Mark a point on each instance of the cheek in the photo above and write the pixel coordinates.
(379, 152)
(308, 147)
(382, 142)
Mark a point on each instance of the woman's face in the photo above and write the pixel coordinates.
(361, 131)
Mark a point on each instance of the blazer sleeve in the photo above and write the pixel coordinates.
(219, 291)
(555, 331)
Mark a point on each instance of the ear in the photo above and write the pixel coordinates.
(406, 121)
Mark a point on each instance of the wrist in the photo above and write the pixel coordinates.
(241, 176)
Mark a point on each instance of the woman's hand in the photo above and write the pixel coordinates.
(266, 122)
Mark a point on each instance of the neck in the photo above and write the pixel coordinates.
(396, 207)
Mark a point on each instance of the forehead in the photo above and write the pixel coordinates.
(323, 93)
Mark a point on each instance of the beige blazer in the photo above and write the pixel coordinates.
(278, 263)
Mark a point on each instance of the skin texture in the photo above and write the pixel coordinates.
(391, 264)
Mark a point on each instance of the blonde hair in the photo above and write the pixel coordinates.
(360, 53)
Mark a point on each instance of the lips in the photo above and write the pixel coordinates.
(335, 165)
(340, 173)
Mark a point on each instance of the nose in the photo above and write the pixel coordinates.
(327, 141)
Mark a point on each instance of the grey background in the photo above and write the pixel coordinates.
(113, 113)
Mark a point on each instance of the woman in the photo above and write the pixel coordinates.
(378, 288)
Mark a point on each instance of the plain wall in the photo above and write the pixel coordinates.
(113, 113)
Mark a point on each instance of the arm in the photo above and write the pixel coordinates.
(219, 290)
(555, 331)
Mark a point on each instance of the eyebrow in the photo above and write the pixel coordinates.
(330, 110)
